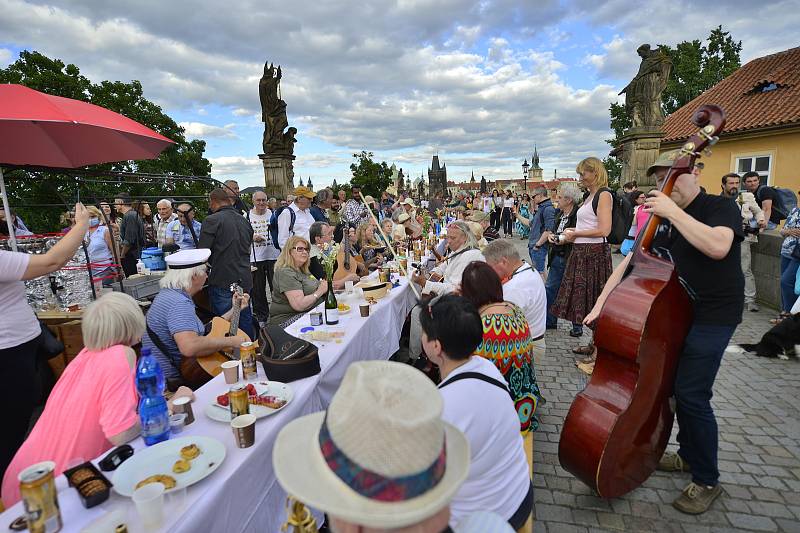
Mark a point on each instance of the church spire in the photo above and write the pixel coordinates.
(535, 158)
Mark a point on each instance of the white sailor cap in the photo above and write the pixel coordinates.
(188, 258)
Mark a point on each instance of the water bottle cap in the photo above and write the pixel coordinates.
(145, 352)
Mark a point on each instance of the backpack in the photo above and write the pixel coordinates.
(273, 224)
(621, 215)
(785, 200)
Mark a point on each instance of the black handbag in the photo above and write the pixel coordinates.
(50, 346)
(286, 358)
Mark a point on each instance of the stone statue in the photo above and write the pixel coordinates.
(643, 93)
(273, 114)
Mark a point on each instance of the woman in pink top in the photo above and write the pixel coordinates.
(589, 264)
(93, 406)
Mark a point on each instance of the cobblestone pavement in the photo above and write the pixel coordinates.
(756, 404)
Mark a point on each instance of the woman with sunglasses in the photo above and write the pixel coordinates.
(294, 289)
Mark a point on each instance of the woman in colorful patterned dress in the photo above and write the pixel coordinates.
(506, 339)
(524, 211)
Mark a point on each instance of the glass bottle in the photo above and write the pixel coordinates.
(331, 305)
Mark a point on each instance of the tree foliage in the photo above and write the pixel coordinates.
(53, 76)
(697, 67)
(372, 177)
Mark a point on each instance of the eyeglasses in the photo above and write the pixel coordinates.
(300, 249)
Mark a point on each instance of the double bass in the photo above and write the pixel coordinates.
(618, 427)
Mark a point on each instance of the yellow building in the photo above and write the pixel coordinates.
(762, 104)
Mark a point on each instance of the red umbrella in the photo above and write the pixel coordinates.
(51, 131)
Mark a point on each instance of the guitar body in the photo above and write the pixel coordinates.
(197, 371)
(343, 269)
(618, 427)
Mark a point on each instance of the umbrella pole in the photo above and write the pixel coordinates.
(11, 236)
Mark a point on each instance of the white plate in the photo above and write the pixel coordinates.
(217, 412)
(159, 458)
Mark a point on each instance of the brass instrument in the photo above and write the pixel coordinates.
(299, 518)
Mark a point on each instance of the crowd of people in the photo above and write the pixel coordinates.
(481, 323)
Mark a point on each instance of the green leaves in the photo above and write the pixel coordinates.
(372, 177)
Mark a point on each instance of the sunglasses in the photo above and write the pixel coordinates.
(300, 249)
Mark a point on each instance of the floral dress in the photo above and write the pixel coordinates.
(507, 343)
(523, 230)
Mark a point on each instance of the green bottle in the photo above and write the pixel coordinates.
(331, 305)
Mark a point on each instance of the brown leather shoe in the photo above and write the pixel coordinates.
(672, 462)
(696, 499)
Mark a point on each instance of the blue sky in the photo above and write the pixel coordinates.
(476, 82)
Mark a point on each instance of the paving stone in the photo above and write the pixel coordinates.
(553, 513)
(611, 521)
(758, 523)
(774, 510)
(788, 526)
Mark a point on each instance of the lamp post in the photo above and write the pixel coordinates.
(525, 167)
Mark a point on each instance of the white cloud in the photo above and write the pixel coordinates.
(5, 57)
(199, 130)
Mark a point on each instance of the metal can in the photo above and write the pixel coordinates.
(316, 318)
(37, 486)
(237, 400)
(247, 355)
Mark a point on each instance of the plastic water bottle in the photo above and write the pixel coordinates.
(140, 267)
(153, 412)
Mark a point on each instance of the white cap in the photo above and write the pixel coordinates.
(188, 258)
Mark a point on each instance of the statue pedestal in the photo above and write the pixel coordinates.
(278, 174)
(640, 148)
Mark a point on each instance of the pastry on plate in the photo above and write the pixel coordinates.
(181, 466)
(190, 452)
(168, 481)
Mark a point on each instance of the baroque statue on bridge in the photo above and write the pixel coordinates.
(643, 93)
(273, 114)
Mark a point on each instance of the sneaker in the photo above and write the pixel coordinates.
(696, 499)
(576, 333)
(672, 462)
(753, 307)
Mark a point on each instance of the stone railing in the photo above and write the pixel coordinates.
(767, 268)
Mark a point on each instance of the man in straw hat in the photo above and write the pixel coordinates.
(296, 219)
(380, 459)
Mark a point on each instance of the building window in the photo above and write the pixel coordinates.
(760, 163)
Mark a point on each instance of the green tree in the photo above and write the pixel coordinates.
(53, 76)
(614, 169)
(372, 177)
(697, 67)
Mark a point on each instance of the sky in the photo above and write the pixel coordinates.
(478, 83)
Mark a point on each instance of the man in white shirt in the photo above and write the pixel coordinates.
(297, 219)
(523, 287)
(165, 216)
(262, 255)
(446, 277)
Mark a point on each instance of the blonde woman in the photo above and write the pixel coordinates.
(93, 405)
(368, 246)
(98, 244)
(294, 289)
(589, 263)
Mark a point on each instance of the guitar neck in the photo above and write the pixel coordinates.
(237, 309)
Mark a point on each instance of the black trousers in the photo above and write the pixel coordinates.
(129, 264)
(494, 217)
(508, 221)
(19, 390)
(262, 276)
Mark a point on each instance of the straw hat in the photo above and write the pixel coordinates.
(402, 217)
(397, 462)
(369, 199)
(304, 192)
(478, 216)
(408, 201)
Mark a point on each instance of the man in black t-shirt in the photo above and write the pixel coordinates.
(701, 235)
(766, 198)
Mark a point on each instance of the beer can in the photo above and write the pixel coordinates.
(247, 355)
(237, 400)
(37, 486)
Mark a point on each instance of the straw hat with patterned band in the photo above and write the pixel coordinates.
(305, 192)
(665, 160)
(381, 456)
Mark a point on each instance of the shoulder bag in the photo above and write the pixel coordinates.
(285, 357)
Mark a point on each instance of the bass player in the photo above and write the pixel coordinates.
(701, 234)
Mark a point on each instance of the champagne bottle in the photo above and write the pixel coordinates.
(331, 305)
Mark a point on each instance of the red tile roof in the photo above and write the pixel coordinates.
(740, 96)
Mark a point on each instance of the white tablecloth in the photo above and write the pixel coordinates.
(243, 494)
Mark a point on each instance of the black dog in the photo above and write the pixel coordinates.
(780, 341)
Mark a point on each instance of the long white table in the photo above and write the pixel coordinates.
(243, 494)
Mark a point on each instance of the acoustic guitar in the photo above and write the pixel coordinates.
(617, 428)
(346, 261)
(197, 371)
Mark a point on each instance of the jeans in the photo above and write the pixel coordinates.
(697, 427)
(788, 277)
(538, 257)
(554, 276)
(261, 277)
(747, 270)
(220, 300)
